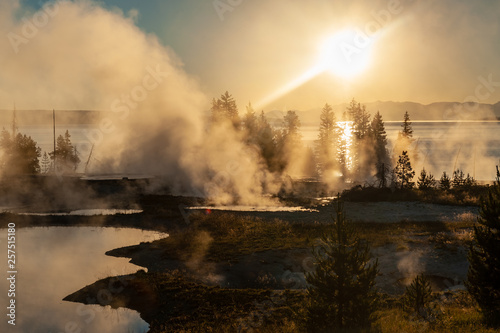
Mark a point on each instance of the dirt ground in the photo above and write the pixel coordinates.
(445, 266)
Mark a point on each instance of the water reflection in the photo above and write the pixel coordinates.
(345, 143)
(89, 212)
(57, 261)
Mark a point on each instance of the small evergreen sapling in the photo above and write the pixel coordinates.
(445, 182)
(426, 180)
(341, 288)
(417, 297)
(403, 172)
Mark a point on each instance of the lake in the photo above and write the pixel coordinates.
(54, 262)
(472, 146)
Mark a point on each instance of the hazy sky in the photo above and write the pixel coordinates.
(263, 51)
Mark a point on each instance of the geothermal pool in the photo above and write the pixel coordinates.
(54, 262)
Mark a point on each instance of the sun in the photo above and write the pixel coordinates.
(346, 54)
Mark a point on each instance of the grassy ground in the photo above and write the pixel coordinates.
(184, 306)
(469, 196)
(170, 303)
(233, 235)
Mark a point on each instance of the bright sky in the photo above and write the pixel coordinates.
(270, 52)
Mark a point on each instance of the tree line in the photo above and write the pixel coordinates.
(21, 155)
(352, 149)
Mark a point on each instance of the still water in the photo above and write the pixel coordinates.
(472, 146)
(54, 262)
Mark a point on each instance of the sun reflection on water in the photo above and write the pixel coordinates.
(345, 143)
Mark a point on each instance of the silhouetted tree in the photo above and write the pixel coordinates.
(380, 144)
(362, 146)
(469, 182)
(483, 278)
(250, 122)
(290, 148)
(417, 297)
(291, 126)
(405, 139)
(325, 145)
(360, 119)
(403, 172)
(20, 154)
(426, 180)
(407, 131)
(66, 158)
(445, 182)
(458, 180)
(266, 141)
(225, 108)
(341, 288)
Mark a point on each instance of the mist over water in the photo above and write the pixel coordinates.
(473, 147)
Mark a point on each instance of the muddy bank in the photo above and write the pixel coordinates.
(171, 302)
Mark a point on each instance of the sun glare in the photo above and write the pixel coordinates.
(346, 141)
(346, 54)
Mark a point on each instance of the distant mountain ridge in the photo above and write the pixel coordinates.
(44, 117)
(394, 111)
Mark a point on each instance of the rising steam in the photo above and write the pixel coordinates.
(87, 57)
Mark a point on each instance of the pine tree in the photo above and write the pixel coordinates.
(362, 146)
(20, 154)
(445, 182)
(250, 121)
(225, 108)
(66, 157)
(341, 288)
(458, 180)
(325, 144)
(380, 142)
(360, 119)
(483, 278)
(291, 126)
(380, 136)
(266, 141)
(403, 172)
(469, 182)
(289, 145)
(405, 138)
(407, 131)
(426, 180)
(418, 297)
